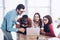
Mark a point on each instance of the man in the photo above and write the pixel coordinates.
(9, 21)
(24, 22)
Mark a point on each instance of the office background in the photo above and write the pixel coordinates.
(44, 7)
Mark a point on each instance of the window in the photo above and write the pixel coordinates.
(1, 12)
(41, 6)
(11, 4)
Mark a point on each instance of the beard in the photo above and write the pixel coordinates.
(19, 13)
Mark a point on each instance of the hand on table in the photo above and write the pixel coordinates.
(42, 32)
(21, 30)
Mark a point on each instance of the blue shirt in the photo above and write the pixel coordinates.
(9, 21)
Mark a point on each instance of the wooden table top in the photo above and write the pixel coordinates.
(35, 37)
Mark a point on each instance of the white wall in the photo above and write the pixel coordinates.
(55, 10)
(42, 8)
(1, 18)
(55, 5)
(1, 12)
(12, 4)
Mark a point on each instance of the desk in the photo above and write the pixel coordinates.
(40, 37)
(34, 37)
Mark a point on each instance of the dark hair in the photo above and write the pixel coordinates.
(40, 20)
(20, 6)
(49, 18)
(24, 16)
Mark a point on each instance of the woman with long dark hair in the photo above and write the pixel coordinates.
(37, 22)
(48, 27)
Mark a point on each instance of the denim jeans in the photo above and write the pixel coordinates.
(7, 35)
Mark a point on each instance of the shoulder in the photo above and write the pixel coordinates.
(11, 12)
(19, 19)
(50, 25)
(29, 20)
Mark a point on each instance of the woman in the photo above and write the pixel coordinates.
(48, 28)
(37, 22)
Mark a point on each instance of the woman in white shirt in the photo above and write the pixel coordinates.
(37, 22)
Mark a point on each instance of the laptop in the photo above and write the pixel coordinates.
(33, 31)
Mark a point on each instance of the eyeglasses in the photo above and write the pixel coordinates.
(44, 19)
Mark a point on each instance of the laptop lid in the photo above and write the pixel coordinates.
(33, 31)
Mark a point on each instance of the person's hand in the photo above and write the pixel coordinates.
(21, 30)
(42, 32)
(17, 25)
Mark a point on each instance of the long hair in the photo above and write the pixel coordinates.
(49, 19)
(40, 20)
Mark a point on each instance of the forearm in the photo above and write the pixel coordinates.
(49, 34)
(12, 29)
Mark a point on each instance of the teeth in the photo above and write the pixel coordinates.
(17, 23)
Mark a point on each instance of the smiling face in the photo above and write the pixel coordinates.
(45, 20)
(25, 21)
(20, 11)
(36, 17)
